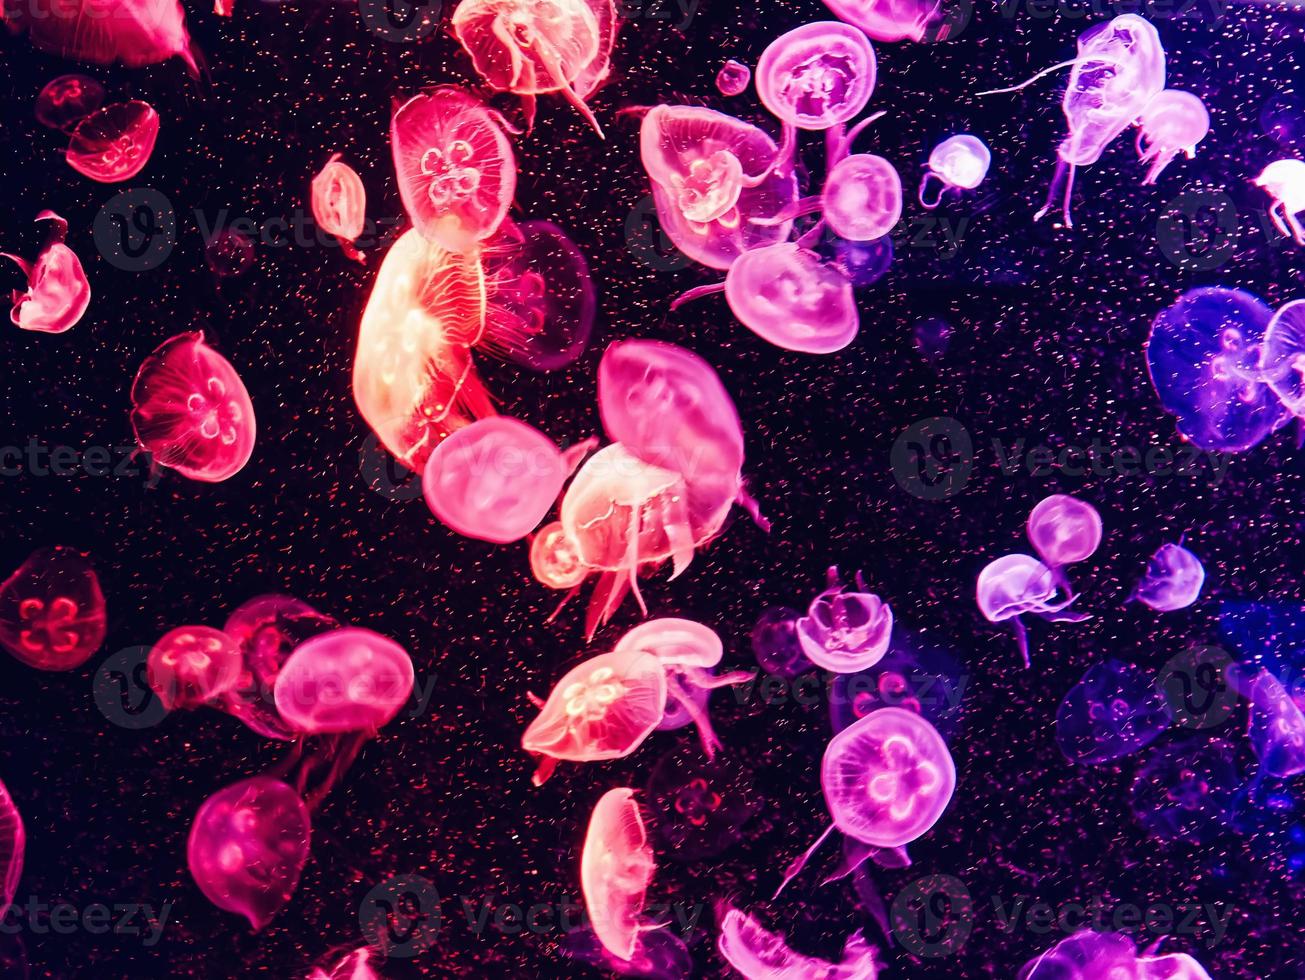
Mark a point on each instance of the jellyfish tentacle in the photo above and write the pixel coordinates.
(797, 864)
(1029, 81)
(924, 183)
(698, 292)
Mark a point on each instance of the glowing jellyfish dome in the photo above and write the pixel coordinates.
(843, 631)
(1016, 585)
(114, 143)
(1172, 122)
(862, 197)
(1276, 727)
(52, 612)
(67, 100)
(13, 848)
(346, 680)
(1282, 356)
(339, 203)
(888, 20)
(1064, 530)
(133, 32)
(1173, 579)
(1284, 182)
(193, 665)
(616, 867)
(958, 163)
(58, 293)
(817, 76)
(787, 296)
(733, 78)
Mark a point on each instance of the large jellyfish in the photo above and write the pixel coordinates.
(1172, 122)
(339, 203)
(191, 411)
(193, 665)
(889, 20)
(537, 47)
(65, 101)
(1114, 711)
(616, 866)
(135, 32)
(958, 163)
(1284, 181)
(13, 847)
(457, 173)
(52, 610)
(57, 291)
(1282, 356)
(1016, 585)
(862, 197)
(817, 76)
(785, 295)
(1173, 580)
(1064, 530)
(1204, 357)
(247, 847)
(760, 954)
(843, 631)
(1276, 727)
(114, 143)
(1090, 955)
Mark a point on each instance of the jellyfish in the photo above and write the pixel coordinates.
(339, 203)
(721, 186)
(191, 411)
(862, 200)
(1088, 954)
(247, 847)
(603, 708)
(13, 847)
(1282, 356)
(1064, 530)
(958, 163)
(353, 966)
(52, 614)
(888, 20)
(1265, 634)
(67, 100)
(660, 955)
(134, 32)
(759, 954)
(914, 675)
(114, 143)
(555, 559)
(775, 643)
(817, 76)
(733, 78)
(616, 866)
(193, 665)
(701, 805)
(538, 47)
(1016, 585)
(1173, 580)
(1284, 181)
(786, 296)
(345, 680)
(1276, 727)
(1114, 711)
(1185, 790)
(57, 291)
(457, 173)
(1204, 357)
(845, 631)
(861, 263)
(1172, 122)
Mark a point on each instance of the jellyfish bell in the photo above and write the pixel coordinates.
(52, 612)
(733, 78)
(817, 76)
(1282, 356)
(1276, 726)
(759, 954)
(58, 292)
(114, 143)
(1172, 122)
(1114, 711)
(13, 848)
(888, 20)
(862, 198)
(784, 294)
(843, 631)
(1284, 182)
(1064, 530)
(345, 680)
(1015, 585)
(616, 867)
(339, 203)
(67, 100)
(555, 559)
(958, 163)
(1173, 579)
(193, 665)
(1091, 955)
(133, 32)
(355, 965)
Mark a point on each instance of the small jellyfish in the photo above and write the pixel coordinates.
(1064, 530)
(67, 100)
(52, 614)
(339, 204)
(13, 847)
(958, 163)
(353, 966)
(759, 954)
(616, 866)
(247, 847)
(114, 143)
(776, 645)
(702, 805)
(191, 411)
(862, 200)
(1276, 727)
(193, 665)
(1114, 711)
(817, 76)
(57, 290)
(228, 253)
(1282, 356)
(733, 78)
(457, 173)
(785, 295)
(889, 20)
(345, 680)
(1016, 585)
(1172, 122)
(1284, 181)
(134, 32)
(861, 263)
(1173, 580)
(555, 559)
(845, 632)
(1185, 790)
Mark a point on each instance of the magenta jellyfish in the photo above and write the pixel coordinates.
(1282, 356)
(539, 47)
(134, 32)
(457, 173)
(1172, 122)
(759, 954)
(616, 867)
(843, 631)
(339, 203)
(13, 846)
(889, 20)
(555, 559)
(1064, 530)
(52, 613)
(733, 78)
(191, 411)
(193, 665)
(67, 100)
(785, 295)
(355, 965)
(817, 76)
(57, 290)
(862, 198)
(1114, 711)
(958, 163)
(1173, 580)
(1284, 181)
(701, 805)
(659, 955)
(1091, 955)
(1276, 727)
(776, 645)
(247, 847)
(345, 680)
(1017, 585)
(114, 143)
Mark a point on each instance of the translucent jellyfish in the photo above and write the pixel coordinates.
(537, 47)
(914, 675)
(228, 253)
(1114, 711)
(1204, 358)
(346, 680)
(603, 708)
(701, 805)
(1173, 580)
(66, 100)
(1282, 356)
(339, 203)
(862, 197)
(114, 143)
(845, 631)
(1284, 181)
(1172, 122)
(660, 955)
(457, 173)
(733, 78)
(785, 295)
(191, 411)
(616, 866)
(1064, 530)
(555, 559)
(1091, 955)
(134, 32)
(817, 76)
(1016, 585)
(57, 290)
(958, 163)
(759, 954)
(247, 847)
(13, 847)
(888, 20)
(52, 610)
(193, 665)
(353, 966)
(1186, 789)
(861, 263)
(722, 187)
(1276, 727)
(776, 645)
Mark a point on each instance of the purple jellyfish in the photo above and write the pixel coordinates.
(1282, 356)
(845, 632)
(1064, 530)
(1016, 585)
(958, 163)
(1276, 727)
(862, 199)
(890, 20)
(733, 78)
(1185, 790)
(1114, 711)
(760, 954)
(1092, 955)
(1173, 580)
(1172, 122)
(775, 643)
(817, 76)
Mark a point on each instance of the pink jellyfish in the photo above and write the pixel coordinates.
(1284, 181)
(721, 185)
(733, 78)
(345, 680)
(817, 76)
(958, 163)
(787, 296)
(339, 204)
(114, 143)
(1016, 585)
(603, 708)
(193, 665)
(1282, 356)
(66, 100)
(13, 846)
(52, 613)
(247, 847)
(616, 866)
(457, 173)
(191, 411)
(353, 966)
(57, 291)
(759, 954)
(1173, 580)
(537, 47)
(889, 20)
(1276, 726)
(1064, 530)
(555, 559)
(497, 479)
(862, 198)
(1172, 122)
(135, 32)
(845, 632)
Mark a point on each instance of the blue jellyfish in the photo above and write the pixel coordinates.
(1114, 711)
(1265, 634)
